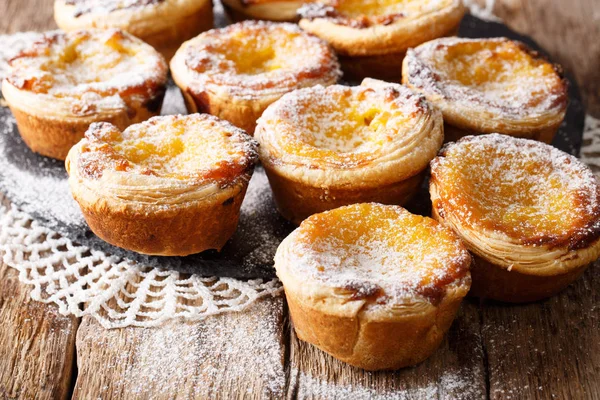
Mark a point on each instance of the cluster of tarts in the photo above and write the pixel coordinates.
(514, 219)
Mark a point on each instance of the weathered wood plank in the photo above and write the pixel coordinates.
(37, 344)
(236, 355)
(455, 371)
(549, 349)
(30, 15)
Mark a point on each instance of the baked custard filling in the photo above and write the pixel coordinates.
(259, 54)
(531, 192)
(378, 251)
(96, 62)
(345, 126)
(197, 148)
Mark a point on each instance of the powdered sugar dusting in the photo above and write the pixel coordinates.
(199, 147)
(501, 75)
(259, 58)
(92, 66)
(342, 126)
(13, 44)
(371, 249)
(520, 187)
(195, 360)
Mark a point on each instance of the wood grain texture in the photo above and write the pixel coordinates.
(549, 349)
(236, 355)
(26, 15)
(455, 371)
(37, 344)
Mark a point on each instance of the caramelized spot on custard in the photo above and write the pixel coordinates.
(374, 250)
(527, 190)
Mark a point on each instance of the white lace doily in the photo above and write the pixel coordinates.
(82, 281)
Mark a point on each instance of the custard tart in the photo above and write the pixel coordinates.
(270, 10)
(529, 213)
(170, 186)
(236, 72)
(323, 148)
(66, 81)
(164, 24)
(372, 36)
(374, 286)
(489, 86)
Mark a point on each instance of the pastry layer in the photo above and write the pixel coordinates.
(376, 27)
(488, 85)
(373, 285)
(169, 186)
(350, 137)
(141, 18)
(378, 254)
(86, 74)
(166, 160)
(237, 71)
(519, 204)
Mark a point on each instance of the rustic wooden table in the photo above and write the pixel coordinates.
(546, 350)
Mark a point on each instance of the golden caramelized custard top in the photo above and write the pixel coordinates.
(259, 57)
(197, 148)
(347, 128)
(531, 192)
(497, 75)
(366, 13)
(90, 65)
(376, 252)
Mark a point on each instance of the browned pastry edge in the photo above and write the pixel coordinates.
(376, 345)
(297, 201)
(493, 282)
(54, 137)
(177, 231)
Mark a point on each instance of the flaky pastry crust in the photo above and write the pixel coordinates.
(164, 24)
(489, 86)
(373, 36)
(374, 286)
(67, 81)
(529, 212)
(168, 186)
(327, 147)
(237, 71)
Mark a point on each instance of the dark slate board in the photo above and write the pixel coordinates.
(38, 186)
